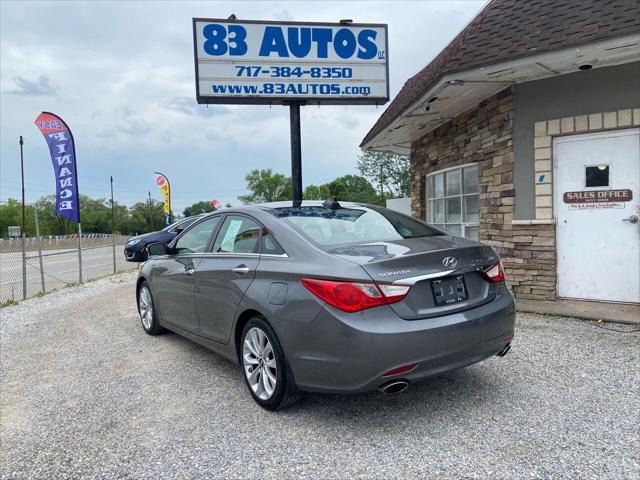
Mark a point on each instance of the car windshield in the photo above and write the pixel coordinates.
(329, 227)
(183, 224)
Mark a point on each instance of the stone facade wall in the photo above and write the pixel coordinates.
(483, 135)
(531, 270)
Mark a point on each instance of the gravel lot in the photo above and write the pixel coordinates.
(85, 393)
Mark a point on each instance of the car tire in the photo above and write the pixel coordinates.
(264, 366)
(147, 311)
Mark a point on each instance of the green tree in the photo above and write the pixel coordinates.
(199, 207)
(351, 188)
(266, 186)
(316, 192)
(50, 223)
(95, 215)
(390, 173)
(11, 215)
(140, 221)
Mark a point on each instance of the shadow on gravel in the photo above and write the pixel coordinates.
(437, 397)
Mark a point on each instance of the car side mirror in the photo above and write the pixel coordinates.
(158, 248)
(178, 231)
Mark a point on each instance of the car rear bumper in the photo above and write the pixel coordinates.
(341, 352)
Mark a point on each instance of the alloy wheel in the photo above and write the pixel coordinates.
(146, 307)
(259, 363)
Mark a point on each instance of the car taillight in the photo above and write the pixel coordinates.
(495, 272)
(354, 296)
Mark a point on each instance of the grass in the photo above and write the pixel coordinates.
(12, 302)
(8, 303)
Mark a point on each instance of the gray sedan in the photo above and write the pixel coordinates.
(328, 297)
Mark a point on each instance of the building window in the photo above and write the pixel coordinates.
(597, 176)
(452, 200)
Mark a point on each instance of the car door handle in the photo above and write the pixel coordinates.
(241, 270)
(189, 271)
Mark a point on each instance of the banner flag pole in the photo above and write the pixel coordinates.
(113, 226)
(165, 188)
(62, 148)
(39, 240)
(80, 252)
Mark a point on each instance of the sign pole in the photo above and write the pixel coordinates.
(24, 249)
(296, 153)
(113, 226)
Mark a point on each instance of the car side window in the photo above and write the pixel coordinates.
(237, 235)
(195, 240)
(270, 245)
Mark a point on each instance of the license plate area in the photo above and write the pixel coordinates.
(450, 290)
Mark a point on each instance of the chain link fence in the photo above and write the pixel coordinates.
(52, 262)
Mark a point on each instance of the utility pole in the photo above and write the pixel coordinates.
(24, 240)
(381, 180)
(113, 226)
(150, 213)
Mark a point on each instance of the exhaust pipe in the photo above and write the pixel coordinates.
(504, 351)
(395, 386)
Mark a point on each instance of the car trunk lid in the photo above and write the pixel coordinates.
(454, 264)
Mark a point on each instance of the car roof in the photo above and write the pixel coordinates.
(306, 203)
(260, 209)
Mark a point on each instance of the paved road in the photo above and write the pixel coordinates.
(85, 393)
(60, 266)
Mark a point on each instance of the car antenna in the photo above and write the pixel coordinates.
(331, 204)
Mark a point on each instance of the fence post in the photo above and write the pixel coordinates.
(24, 267)
(39, 240)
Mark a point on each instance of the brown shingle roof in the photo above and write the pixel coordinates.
(508, 29)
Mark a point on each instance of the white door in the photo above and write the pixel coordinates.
(596, 193)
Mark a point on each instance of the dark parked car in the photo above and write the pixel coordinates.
(135, 249)
(328, 298)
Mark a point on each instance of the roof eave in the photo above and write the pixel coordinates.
(460, 91)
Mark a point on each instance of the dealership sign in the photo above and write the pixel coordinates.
(257, 62)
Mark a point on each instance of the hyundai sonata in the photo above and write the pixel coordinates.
(328, 297)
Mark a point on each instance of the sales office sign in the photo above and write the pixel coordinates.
(597, 199)
(255, 62)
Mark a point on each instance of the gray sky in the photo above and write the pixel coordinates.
(121, 75)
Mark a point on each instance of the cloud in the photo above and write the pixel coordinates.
(40, 88)
(126, 89)
(348, 122)
(283, 15)
(189, 106)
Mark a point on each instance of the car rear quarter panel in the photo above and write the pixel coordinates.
(349, 352)
(277, 294)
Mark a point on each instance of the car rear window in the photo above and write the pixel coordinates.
(329, 227)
